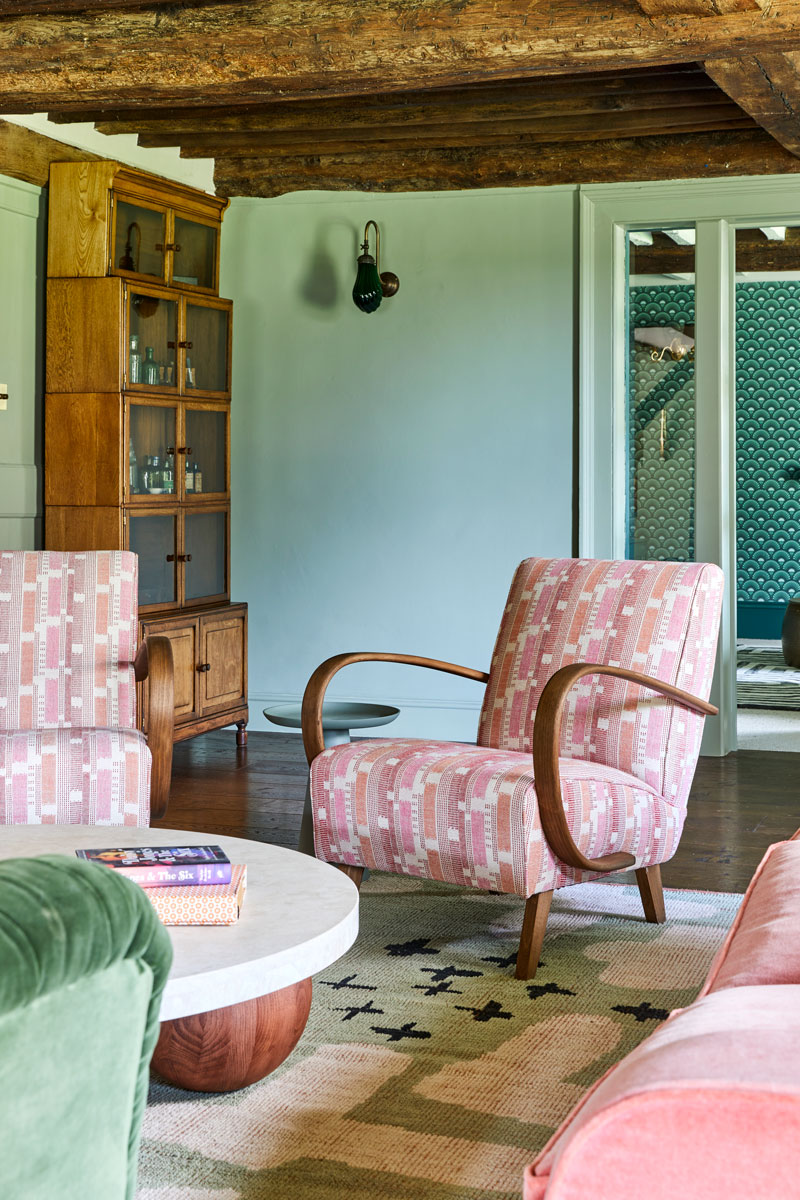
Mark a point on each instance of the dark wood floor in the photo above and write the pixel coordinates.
(739, 804)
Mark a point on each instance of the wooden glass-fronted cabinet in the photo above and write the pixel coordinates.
(137, 415)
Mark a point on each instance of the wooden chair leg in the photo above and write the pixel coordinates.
(652, 893)
(537, 910)
(354, 873)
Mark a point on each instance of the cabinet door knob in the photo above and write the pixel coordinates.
(170, 345)
(170, 558)
(186, 345)
(170, 449)
(184, 449)
(184, 558)
(204, 667)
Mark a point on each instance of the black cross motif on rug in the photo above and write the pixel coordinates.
(347, 982)
(508, 961)
(356, 1010)
(405, 1031)
(490, 1010)
(643, 1011)
(535, 990)
(407, 949)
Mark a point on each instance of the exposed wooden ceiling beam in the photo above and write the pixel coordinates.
(764, 84)
(689, 156)
(273, 49)
(767, 87)
(27, 155)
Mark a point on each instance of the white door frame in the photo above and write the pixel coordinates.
(716, 207)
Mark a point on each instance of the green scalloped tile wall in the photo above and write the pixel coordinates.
(767, 444)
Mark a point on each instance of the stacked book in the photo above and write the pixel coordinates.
(187, 885)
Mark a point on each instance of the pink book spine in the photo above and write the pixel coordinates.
(164, 875)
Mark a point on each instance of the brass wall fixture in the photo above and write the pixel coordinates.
(371, 284)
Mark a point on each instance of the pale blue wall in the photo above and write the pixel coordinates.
(389, 471)
(21, 362)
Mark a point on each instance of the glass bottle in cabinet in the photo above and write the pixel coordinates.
(153, 323)
(135, 361)
(153, 429)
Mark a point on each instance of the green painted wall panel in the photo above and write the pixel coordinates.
(390, 470)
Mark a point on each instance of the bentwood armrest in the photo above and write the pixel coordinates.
(313, 740)
(154, 662)
(546, 743)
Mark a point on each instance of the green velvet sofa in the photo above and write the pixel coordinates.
(83, 963)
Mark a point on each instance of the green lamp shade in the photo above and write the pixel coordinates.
(367, 292)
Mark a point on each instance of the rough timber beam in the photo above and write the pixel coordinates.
(27, 155)
(766, 84)
(258, 50)
(688, 156)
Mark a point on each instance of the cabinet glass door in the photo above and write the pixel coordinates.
(207, 440)
(151, 449)
(153, 536)
(206, 554)
(195, 255)
(153, 337)
(139, 239)
(207, 348)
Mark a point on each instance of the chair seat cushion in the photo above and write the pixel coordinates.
(708, 1106)
(75, 777)
(468, 814)
(762, 945)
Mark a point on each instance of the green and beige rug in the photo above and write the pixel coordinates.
(427, 1070)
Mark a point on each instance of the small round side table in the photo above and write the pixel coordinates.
(338, 718)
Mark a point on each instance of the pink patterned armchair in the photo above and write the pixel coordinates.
(587, 744)
(70, 752)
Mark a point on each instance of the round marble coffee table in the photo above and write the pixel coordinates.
(238, 996)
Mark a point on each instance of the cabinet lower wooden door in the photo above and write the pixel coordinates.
(185, 638)
(223, 668)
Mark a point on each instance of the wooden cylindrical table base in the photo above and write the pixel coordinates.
(229, 1048)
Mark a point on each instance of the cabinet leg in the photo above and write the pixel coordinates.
(241, 733)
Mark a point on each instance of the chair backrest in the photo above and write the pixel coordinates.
(67, 639)
(658, 618)
(83, 964)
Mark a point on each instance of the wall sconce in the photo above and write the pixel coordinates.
(371, 285)
(666, 340)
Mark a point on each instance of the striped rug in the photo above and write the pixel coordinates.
(763, 680)
(427, 1072)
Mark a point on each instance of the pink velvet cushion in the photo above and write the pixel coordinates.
(469, 815)
(763, 944)
(707, 1107)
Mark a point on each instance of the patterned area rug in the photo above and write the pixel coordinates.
(427, 1070)
(763, 680)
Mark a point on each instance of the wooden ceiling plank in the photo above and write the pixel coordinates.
(689, 156)
(264, 49)
(573, 128)
(27, 155)
(753, 253)
(305, 118)
(256, 150)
